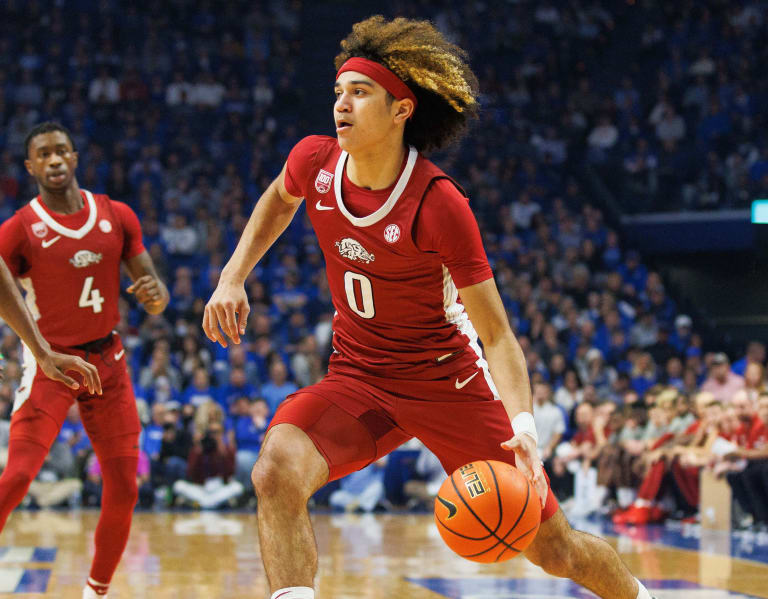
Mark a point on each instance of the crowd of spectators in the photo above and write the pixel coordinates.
(187, 110)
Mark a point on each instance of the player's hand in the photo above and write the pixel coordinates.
(529, 462)
(226, 311)
(55, 365)
(148, 291)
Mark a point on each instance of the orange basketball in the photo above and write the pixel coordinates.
(487, 511)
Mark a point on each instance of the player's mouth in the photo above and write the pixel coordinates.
(342, 126)
(57, 177)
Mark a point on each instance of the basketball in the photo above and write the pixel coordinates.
(487, 511)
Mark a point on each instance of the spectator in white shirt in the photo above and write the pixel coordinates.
(550, 421)
(524, 209)
(104, 89)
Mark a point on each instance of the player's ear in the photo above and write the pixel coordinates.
(28, 166)
(404, 110)
(76, 158)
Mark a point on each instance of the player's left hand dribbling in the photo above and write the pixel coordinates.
(529, 462)
(55, 365)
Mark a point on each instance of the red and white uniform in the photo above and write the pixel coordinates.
(406, 359)
(69, 266)
(393, 272)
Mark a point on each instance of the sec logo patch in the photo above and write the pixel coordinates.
(391, 233)
(105, 225)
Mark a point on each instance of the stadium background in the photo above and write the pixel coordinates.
(618, 151)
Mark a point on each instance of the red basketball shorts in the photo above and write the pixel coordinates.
(111, 419)
(353, 420)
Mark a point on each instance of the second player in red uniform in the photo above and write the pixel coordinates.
(66, 248)
(412, 290)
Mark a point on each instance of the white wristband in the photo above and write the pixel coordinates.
(524, 423)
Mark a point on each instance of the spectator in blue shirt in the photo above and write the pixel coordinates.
(200, 390)
(73, 435)
(278, 387)
(251, 418)
(152, 440)
(238, 387)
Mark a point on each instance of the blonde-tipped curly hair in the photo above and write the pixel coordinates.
(435, 69)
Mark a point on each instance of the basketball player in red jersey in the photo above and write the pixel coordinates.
(412, 290)
(65, 247)
(53, 364)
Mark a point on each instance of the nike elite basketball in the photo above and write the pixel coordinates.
(487, 511)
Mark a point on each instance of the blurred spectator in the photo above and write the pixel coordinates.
(278, 387)
(250, 426)
(722, 382)
(550, 421)
(362, 490)
(210, 467)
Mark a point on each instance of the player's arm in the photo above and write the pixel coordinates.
(147, 287)
(510, 373)
(14, 311)
(228, 308)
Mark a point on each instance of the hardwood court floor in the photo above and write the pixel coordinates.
(216, 555)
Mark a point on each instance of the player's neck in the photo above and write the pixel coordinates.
(67, 201)
(378, 167)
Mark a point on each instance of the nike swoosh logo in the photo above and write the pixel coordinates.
(119, 355)
(452, 509)
(50, 242)
(462, 384)
(319, 206)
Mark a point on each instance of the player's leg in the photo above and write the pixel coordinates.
(319, 434)
(465, 430)
(32, 433)
(112, 424)
(289, 470)
(587, 560)
(118, 498)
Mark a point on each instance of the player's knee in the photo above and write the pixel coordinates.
(282, 471)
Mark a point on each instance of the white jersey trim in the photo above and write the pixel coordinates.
(28, 372)
(30, 298)
(61, 229)
(455, 315)
(386, 208)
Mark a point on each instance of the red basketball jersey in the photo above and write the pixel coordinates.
(71, 275)
(397, 309)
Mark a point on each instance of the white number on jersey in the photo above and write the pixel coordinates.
(366, 293)
(90, 298)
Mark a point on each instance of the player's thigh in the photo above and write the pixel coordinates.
(111, 416)
(344, 423)
(39, 409)
(459, 432)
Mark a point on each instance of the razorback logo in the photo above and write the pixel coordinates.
(83, 258)
(351, 249)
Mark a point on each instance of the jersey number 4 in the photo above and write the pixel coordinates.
(90, 297)
(352, 282)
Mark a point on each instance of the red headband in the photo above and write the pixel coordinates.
(381, 75)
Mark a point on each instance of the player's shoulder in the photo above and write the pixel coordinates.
(315, 147)
(444, 193)
(13, 223)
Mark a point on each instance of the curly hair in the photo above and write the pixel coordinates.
(433, 68)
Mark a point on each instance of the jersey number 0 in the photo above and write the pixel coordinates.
(363, 283)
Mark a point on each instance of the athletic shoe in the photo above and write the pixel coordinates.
(635, 515)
